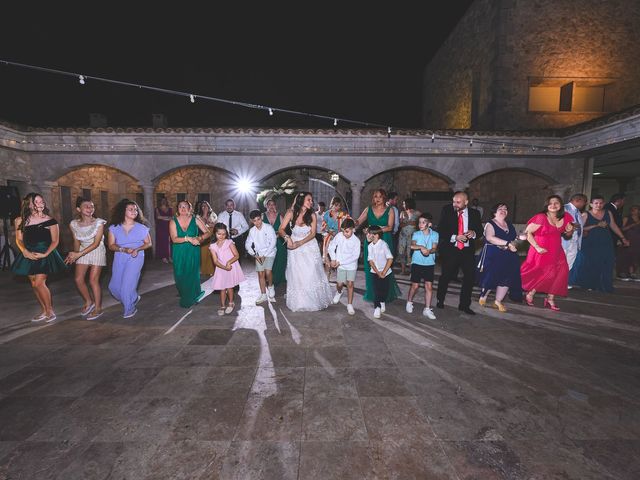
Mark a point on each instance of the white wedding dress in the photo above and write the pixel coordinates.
(308, 289)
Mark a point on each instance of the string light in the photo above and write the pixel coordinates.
(335, 122)
(451, 136)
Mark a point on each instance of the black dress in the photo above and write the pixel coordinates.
(37, 238)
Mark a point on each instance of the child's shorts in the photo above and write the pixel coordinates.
(345, 275)
(422, 272)
(267, 264)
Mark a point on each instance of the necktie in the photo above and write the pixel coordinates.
(230, 222)
(460, 245)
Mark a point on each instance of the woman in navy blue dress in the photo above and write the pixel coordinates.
(593, 268)
(499, 267)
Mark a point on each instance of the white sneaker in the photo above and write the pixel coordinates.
(350, 310)
(427, 312)
(376, 313)
(382, 307)
(51, 318)
(132, 314)
(261, 299)
(409, 307)
(271, 291)
(336, 297)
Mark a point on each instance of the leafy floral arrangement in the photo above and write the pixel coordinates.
(287, 188)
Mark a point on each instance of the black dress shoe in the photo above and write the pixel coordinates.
(440, 304)
(466, 310)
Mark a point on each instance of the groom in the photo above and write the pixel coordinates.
(459, 228)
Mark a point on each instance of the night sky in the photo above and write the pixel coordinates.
(365, 64)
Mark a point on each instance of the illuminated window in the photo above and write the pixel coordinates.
(565, 95)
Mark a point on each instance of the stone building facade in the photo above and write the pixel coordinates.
(535, 64)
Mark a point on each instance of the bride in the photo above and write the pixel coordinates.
(308, 289)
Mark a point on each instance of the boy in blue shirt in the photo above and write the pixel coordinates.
(424, 244)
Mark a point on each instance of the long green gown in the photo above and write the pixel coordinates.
(280, 262)
(186, 266)
(394, 290)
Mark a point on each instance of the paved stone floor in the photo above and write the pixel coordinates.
(268, 393)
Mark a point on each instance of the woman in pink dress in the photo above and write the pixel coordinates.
(228, 273)
(546, 269)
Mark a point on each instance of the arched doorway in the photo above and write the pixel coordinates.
(429, 190)
(195, 183)
(105, 186)
(523, 191)
(323, 185)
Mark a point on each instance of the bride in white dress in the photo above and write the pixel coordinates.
(308, 289)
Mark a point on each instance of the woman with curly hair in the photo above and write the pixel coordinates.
(128, 238)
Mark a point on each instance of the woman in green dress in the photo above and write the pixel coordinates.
(273, 218)
(186, 253)
(379, 214)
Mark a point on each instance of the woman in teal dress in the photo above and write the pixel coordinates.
(273, 218)
(379, 214)
(186, 240)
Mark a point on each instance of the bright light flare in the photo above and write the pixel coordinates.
(244, 185)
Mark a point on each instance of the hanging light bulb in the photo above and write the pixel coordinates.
(335, 122)
(271, 112)
(433, 137)
(192, 98)
(81, 79)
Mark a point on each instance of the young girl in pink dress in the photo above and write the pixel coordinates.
(228, 273)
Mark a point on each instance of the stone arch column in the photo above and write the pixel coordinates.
(356, 191)
(149, 209)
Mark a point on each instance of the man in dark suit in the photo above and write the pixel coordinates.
(615, 207)
(459, 229)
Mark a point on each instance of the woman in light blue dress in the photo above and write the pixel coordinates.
(128, 238)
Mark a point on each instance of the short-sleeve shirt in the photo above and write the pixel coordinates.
(427, 241)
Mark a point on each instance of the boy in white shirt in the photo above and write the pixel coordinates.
(344, 252)
(380, 260)
(424, 244)
(261, 244)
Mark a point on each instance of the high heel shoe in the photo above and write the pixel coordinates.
(482, 301)
(551, 305)
(529, 299)
(499, 306)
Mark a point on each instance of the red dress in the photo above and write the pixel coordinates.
(546, 272)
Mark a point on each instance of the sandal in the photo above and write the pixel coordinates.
(221, 311)
(529, 299)
(499, 306)
(229, 308)
(86, 311)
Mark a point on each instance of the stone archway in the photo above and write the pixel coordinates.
(322, 183)
(429, 190)
(104, 185)
(200, 182)
(523, 191)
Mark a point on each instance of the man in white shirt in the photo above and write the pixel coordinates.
(236, 224)
(574, 208)
(261, 243)
(344, 252)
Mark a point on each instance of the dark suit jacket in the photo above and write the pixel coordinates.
(616, 214)
(449, 226)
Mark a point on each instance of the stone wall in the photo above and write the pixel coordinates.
(569, 39)
(462, 69)
(566, 38)
(523, 192)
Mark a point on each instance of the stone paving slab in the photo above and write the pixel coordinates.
(268, 393)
